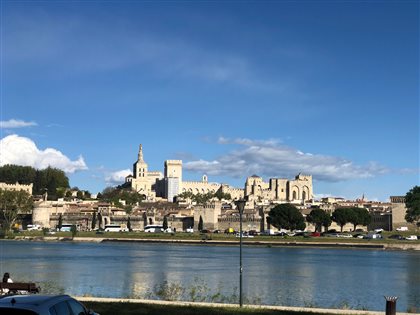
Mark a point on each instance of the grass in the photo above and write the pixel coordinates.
(112, 308)
(223, 237)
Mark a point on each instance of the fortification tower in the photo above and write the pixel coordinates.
(173, 169)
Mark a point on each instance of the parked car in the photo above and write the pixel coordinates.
(379, 230)
(345, 235)
(411, 238)
(402, 228)
(33, 227)
(396, 237)
(42, 305)
(189, 230)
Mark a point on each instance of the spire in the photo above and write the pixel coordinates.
(140, 158)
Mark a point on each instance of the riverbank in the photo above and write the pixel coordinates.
(110, 306)
(318, 243)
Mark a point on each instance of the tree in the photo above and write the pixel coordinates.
(319, 218)
(286, 216)
(129, 224)
(93, 225)
(73, 231)
(341, 216)
(200, 224)
(80, 194)
(359, 216)
(144, 219)
(13, 203)
(50, 179)
(99, 220)
(412, 203)
(165, 223)
(60, 221)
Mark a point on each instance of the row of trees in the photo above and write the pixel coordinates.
(287, 216)
(51, 180)
(204, 198)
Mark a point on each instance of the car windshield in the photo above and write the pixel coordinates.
(16, 311)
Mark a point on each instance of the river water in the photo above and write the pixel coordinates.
(312, 277)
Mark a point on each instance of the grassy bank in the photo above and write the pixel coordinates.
(218, 237)
(112, 308)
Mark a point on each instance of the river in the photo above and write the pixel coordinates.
(312, 277)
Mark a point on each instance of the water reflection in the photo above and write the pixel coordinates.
(277, 276)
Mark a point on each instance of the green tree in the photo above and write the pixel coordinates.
(359, 216)
(221, 195)
(412, 203)
(286, 216)
(129, 224)
(80, 194)
(13, 203)
(60, 221)
(50, 179)
(342, 216)
(200, 224)
(144, 219)
(319, 218)
(165, 223)
(93, 225)
(73, 231)
(99, 220)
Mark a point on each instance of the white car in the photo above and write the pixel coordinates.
(411, 238)
(402, 228)
(379, 230)
(42, 305)
(33, 227)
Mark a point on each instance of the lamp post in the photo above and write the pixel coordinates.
(240, 204)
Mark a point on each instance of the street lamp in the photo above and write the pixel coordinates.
(240, 204)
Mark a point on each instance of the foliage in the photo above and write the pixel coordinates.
(129, 224)
(12, 203)
(412, 203)
(99, 220)
(341, 216)
(115, 194)
(286, 216)
(165, 223)
(359, 216)
(73, 230)
(60, 221)
(49, 179)
(221, 195)
(200, 224)
(93, 225)
(355, 215)
(144, 219)
(319, 218)
(204, 198)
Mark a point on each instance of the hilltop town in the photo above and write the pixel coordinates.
(167, 195)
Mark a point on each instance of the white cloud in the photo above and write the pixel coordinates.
(269, 158)
(118, 177)
(23, 151)
(15, 123)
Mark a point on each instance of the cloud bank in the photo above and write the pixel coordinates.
(118, 177)
(269, 158)
(15, 123)
(23, 151)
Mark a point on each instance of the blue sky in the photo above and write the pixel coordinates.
(233, 88)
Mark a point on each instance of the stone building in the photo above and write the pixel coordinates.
(279, 189)
(17, 186)
(156, 186)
